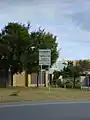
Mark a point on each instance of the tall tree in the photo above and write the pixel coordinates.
(3, 54)
(84, 64)
(16, 37)
(40, 40)
(71, 71)
(23, 47)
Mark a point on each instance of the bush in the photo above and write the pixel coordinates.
(62, 85)
(68, 82)
(58, 82)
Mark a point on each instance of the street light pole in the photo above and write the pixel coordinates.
(9, 76)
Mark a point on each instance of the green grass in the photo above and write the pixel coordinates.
(39, 94)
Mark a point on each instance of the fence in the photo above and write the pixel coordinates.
(33, 79)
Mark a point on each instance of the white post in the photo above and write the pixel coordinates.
(41, 75)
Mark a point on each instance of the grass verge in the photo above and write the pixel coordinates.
(40, 94)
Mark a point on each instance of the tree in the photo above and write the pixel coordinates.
(81, 66)
(56, 75)
(16, 37)
(85, 65)
(40, 40)
(18, 42)
(71, 71)
(3, 54)
(75, 72)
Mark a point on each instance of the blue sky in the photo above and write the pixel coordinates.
(69, 20)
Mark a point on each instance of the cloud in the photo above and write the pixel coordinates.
(65, 18)
(81, 15)
(82, 20)
(44, 12)
(58, 13)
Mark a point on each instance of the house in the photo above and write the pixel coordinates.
(85, 79)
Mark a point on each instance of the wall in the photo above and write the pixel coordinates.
(19, 79)
(29, 80)
(33, 79)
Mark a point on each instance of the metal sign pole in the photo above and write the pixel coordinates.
(41, 75)
(49, 77)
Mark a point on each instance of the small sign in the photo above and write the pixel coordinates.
(44, 57)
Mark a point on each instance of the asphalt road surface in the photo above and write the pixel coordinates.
(45, 111)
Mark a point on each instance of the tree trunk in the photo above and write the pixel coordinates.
(11, 76)
(37, 79)
(74, 82)
(26, 78)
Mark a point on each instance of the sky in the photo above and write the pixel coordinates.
(69, 20)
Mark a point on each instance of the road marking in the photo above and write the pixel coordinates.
(40, 104)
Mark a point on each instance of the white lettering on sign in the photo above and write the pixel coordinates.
(44, 57)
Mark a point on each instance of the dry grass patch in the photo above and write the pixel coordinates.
(34, 94)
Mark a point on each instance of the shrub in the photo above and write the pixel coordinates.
(58, 82)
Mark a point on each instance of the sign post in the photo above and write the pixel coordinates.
(49, 77)
(41, 75)
(44, 59)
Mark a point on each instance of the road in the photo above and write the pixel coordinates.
(45, 111)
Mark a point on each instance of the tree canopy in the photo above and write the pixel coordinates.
(19, 48)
